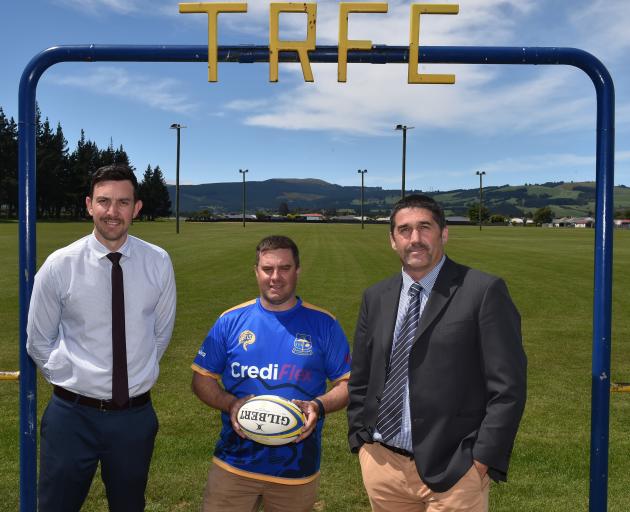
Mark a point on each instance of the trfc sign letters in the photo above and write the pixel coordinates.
(302, 47)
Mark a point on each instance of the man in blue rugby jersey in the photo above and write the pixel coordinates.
(275, 344)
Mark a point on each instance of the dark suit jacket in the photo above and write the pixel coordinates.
(467, 373)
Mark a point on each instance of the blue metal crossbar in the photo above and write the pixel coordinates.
(604, 89)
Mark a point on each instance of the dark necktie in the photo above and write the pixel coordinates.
(391, 406)
(120, 385)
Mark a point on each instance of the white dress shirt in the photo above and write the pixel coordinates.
(70, 315)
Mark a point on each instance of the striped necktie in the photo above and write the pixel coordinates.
(390, 408)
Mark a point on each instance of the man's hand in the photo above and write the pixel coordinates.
(311, 411)
(481, 468)
(234, 407)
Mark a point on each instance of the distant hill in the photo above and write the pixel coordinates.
(565, 199)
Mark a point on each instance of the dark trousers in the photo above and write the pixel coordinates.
(75, 438)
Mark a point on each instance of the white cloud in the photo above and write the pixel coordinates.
(603, 24)
(478, 22)
(94, 7)
(115, 81)
(542, 162)
(485, 99)
(163, 8)
(559, 166)
(376, 97)
(246, 105)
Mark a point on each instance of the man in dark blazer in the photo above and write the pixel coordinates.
(432, 440)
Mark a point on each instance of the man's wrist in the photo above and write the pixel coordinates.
(320, 407)
(232, 402)
(480, 467)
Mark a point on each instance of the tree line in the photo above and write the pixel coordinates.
(63, 176)
(542, 215)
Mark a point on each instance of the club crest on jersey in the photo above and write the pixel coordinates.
(246, 338)
(302, 345)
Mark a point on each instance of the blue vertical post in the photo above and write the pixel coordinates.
(602, 293)
(27, 235)
(600, 400)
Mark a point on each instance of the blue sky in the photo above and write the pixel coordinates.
(520, 124)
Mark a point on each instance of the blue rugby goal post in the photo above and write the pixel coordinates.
(602, 291)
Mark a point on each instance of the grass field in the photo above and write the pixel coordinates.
(550, 276)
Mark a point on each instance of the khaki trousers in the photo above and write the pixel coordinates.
(393, 485)
(228, 492)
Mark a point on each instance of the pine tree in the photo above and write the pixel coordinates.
(108, 156)
(154, 194)
(160, 191)
(61, 172)
(83, 162)
(8, 165)
(51, 161)
(63, 179)
(111, 156)
(121, 157)
(144, 191)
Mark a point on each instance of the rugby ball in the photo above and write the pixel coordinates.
(270, 420)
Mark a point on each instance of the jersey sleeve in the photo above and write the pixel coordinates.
(212, 355)
(337, 354)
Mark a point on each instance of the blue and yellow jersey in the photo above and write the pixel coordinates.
(290, 353)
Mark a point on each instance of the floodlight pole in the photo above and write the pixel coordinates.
(243, 173)
(362, 173)
(404, 129)
(178, 127)
(480, 174)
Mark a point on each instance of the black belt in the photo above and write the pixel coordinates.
(103, 405)
(399, 451)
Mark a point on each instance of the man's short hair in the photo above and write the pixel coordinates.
(115, 172)
(418, 201)
(273, 242)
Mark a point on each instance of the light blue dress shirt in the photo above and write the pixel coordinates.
(403, 439)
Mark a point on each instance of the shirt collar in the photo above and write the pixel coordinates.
(101, 251)
(427, 281)
(297, 304)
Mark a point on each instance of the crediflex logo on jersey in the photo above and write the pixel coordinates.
(272, 371)
(246, 338)
(302, 345)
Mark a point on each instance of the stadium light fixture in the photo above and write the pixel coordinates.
(404, 129)
(480, 174)
(362, 173)
(178, 127)
(243, 172)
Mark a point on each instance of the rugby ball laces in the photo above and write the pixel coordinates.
(270, 420)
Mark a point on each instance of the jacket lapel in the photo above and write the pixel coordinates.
(444, 288)
(389, 310)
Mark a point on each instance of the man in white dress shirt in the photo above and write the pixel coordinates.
(74, 337)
